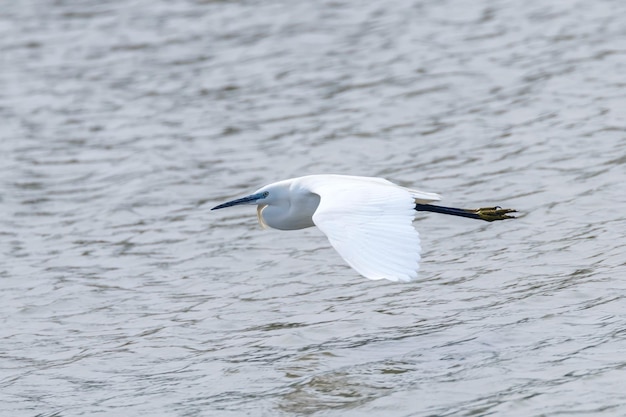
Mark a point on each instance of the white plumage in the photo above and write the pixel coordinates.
(367, 220)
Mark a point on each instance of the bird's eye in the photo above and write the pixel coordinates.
(266, 193)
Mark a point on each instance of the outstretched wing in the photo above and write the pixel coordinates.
(370, 224)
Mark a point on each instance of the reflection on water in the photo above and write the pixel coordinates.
(123, 123)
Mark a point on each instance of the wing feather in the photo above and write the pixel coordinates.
(370, 224)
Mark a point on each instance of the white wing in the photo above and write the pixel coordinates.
(370, 224)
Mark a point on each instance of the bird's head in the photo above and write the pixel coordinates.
(281, 205)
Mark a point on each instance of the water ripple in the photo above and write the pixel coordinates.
(123, 123)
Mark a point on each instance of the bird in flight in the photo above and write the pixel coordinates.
(367, 220)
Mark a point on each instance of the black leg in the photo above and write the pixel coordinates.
(488, 214)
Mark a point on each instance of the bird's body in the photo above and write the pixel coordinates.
(367, 220)
(295, 201)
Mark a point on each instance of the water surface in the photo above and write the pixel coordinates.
(124, 122)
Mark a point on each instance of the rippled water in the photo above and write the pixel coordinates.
(124, 122)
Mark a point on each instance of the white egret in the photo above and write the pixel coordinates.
(367, 220)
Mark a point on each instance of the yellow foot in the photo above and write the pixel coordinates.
(491, 214)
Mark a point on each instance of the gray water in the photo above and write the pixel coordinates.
(124, 122)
